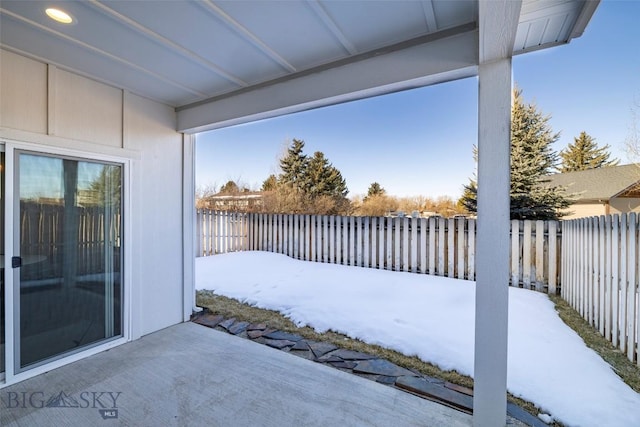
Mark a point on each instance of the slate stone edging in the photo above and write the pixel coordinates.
(357, 363)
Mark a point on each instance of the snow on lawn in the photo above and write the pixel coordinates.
(432, 317)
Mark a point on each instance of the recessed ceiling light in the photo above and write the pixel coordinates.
(59, 15)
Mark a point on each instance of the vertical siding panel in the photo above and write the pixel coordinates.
(471, 251)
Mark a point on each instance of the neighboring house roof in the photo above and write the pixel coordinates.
(599, 184)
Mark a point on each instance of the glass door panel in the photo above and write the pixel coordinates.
(69, 285)
(2, 297)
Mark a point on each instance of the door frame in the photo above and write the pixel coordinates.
(11, 147)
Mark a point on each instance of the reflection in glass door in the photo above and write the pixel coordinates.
(68, 289)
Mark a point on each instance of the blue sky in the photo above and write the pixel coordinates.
(419, 142)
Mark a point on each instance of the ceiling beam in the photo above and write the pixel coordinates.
(331, 25)
(246, 34)
(447, 55)
(429, 15)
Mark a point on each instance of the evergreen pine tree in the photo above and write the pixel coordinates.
(230, 188)
(323, 179)
(532, 158)
(270, 183)
(375, 189)
(294, 166)
(585, 154)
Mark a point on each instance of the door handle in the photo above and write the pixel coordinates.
(16, 262)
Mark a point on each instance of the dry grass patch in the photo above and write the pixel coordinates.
(626, 369)
(229, 308)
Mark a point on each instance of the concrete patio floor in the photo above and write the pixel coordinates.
(191, 375)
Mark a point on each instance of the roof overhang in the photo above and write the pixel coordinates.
(221, 63)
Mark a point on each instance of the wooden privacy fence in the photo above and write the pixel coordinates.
(600, 276)
(437, 246)
(42, 232)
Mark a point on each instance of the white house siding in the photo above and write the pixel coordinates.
(40, 103)
(149, 128)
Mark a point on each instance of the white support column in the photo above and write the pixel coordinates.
(188, 226)
(498, 22)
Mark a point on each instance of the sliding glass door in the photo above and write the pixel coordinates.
(68, 275)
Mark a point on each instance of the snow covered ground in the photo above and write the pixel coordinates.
(433, 318)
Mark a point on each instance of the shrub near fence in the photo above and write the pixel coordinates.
(437, 246)
(600, 279)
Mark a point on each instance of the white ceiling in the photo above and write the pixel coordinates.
(189, 53)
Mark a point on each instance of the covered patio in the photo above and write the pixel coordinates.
(165, 379)
(128, 84)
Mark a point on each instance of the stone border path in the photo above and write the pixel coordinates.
(362, 364)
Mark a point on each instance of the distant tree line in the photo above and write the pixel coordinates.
(312, 185)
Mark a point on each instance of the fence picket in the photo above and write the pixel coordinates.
(632, 291)
(515, 252)
(471, 250)
(432, 246)
(615, 284)
(526, 255)
(539, 255)
(552, 258)
(461, 248)
(405, 245)
(441, 246)
(396, 243)
(414, 245)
